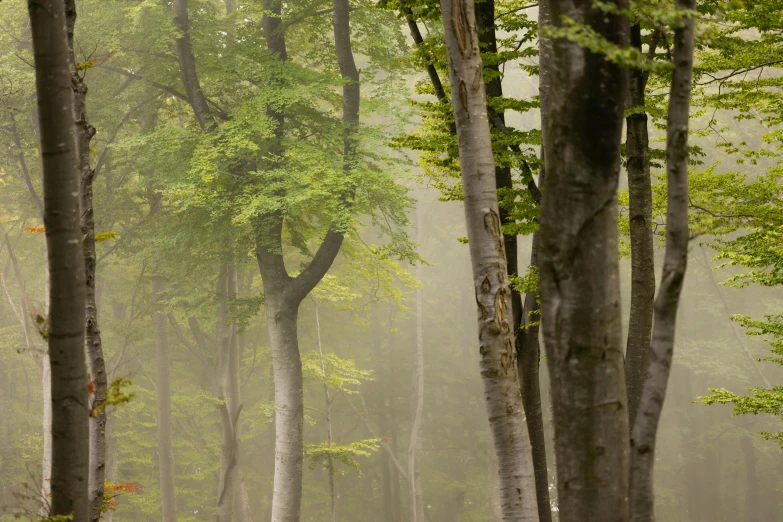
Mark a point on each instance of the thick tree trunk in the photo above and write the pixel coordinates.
(488, 259)
(168, 493)
(579, 270)
(642, 501)
(94, 345)
(289, 407)
(70, 409)
(414, 444)
(637, 146)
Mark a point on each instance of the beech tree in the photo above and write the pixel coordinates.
(579, 268)
(645, 429)
(488, 259)
(93, 341)
(66, 321)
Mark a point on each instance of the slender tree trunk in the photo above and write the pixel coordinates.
(579, 269)
(187, 68)
(493, 295)
(328, 411)
(414, 444)
(637, 146)
(229, 394)
(46, 463)
(642, 501)
(94, 345)
(528, 363)
(528, 356)
(168, 494)
(752, 507)
(70, 410)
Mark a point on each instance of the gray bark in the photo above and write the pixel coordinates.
(414, 443)
(642, 501)
(579, 269)
(640, 321)
(94, 346)
(70, 431)
(168, 493)
(46, 463)
(289, 409)
(283, 293)
(488, 259)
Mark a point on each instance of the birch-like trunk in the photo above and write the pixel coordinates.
(579, 268)
(637, 144)
(642, 500)
(94, 346)
(70, 409)
(488, 259)
(414, 444)
(168, 493)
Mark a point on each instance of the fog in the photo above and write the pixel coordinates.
(183, 307)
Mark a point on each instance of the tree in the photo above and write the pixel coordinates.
(578, 268)
(637, 145)
(488, 260)
(93, 342)
(645, 429)
(65, 328)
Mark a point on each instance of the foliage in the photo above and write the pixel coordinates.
(321, 454)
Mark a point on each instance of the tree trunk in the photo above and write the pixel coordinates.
(229, 394)
(187, 68)
(637, 146)
(488, 259)
(70, 410)
(289, 407)
(284, 293)
(94, 345)
(328, 411)
(46, 463)
(168, 494)
(528, 356)
(528, 362)
(579, 269)
(642, 501)
(751, 481)
(414, 444)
